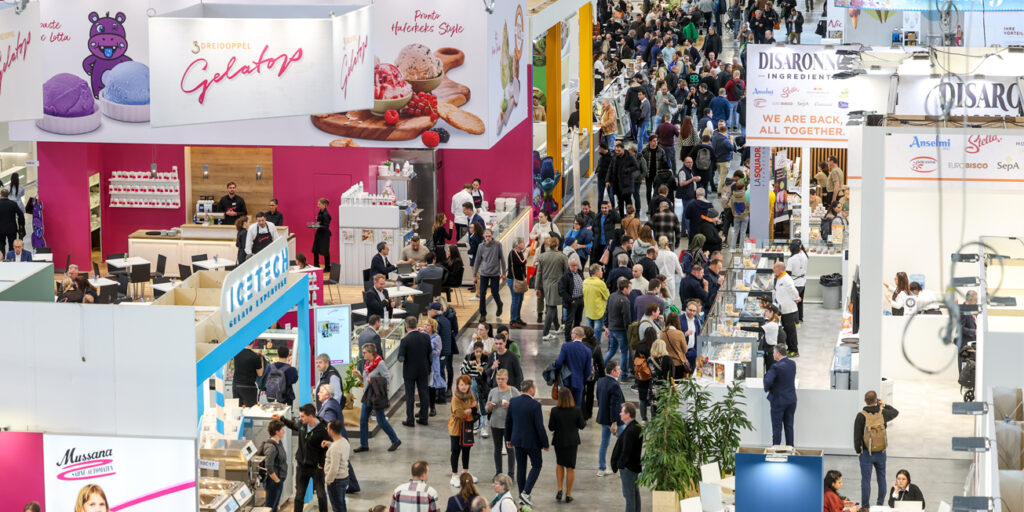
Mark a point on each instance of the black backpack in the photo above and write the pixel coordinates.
(704, 159)
(276, 383)
(454, 321)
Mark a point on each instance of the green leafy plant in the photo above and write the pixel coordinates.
(669, 445)
(729, 419)
(350, 380)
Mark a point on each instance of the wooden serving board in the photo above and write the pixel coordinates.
(363, 124)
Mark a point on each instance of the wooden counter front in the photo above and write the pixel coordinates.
(196, 239)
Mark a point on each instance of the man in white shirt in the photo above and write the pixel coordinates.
(461, 220)
(638, 281)
(787, 297)
(260, 234)
(336, 465)
(796, 267)
(921, 301)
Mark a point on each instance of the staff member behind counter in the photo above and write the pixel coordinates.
(232, 205)
(273, 216)
(260, 235)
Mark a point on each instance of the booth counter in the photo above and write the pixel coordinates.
(180, 244)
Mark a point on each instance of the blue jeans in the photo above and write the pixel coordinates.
(364, 426)
(642, 131)
(683, 219)
(492, 282)
(734, 118)
(517, 303)
(738, 232)
(867, 461)
(602, 450)
(610, 140)
(630, 490)
(597, 325)
(617, 341)
(273, 494)
(336, 494)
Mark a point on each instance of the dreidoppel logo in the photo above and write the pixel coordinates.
(931, 143)
(85, 466)
(923, 164)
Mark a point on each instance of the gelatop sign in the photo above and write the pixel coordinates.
(254, 285)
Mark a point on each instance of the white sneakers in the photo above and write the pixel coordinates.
(454, 481)
(549, 337)
(603, 472)
(525, 498)
(484, 434)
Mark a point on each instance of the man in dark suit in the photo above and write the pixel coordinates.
(18, 253)
(377, 299)
(780, 384)
(626, 456)
(570, 289)
(579, 358)
(12, 221)
(609, 400)
(524, 431)
(380, 263)
(414, 353)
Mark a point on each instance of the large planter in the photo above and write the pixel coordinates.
(664, 501)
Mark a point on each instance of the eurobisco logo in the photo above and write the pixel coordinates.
(923, 164)
(85, 466)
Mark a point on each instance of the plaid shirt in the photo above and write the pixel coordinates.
(665, 223)
(415, 496)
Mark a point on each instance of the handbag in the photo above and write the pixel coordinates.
(466, 439)
(520, 285)
(604, 257)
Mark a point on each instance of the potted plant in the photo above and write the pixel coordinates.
(729, 419)
(349, 381)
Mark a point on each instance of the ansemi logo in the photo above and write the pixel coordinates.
(930, 143)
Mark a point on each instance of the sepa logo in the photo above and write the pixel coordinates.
(843, 104)
(923, 164)
(85, 466)
(763, 92)
(760, 102)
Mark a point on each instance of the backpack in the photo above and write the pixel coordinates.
(276, 383)
(633, 335)
(703, 160)
(874, 431)
(641, 371)
(738, 89)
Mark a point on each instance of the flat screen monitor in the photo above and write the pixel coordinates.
(332, 330)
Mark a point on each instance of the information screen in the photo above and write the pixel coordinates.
(332, 327)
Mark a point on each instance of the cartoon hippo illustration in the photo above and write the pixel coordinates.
(107, 46)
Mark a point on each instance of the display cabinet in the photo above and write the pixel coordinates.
(725, 359)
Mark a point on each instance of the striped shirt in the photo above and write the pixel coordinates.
(415, 496)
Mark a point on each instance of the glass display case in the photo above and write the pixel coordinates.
(725, 359)
(391, 335)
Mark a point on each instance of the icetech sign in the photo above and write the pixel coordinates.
(85, 466)
(787, 64)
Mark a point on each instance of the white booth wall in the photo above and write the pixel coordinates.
(125, 370)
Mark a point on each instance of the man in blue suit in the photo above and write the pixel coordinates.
(780, 384)
(380, 264)
(609, 402)
(19, 253)
(579, 358)
(524, 431)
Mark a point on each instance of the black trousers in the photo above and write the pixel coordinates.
(7, 243)
(247, 395)
(327, 260)
(588, 399)
(448, 371)
(457, 449)
(624, 199)
(573, 316)
(498, 435)
(789, 325)
(412, 385)
(800, 305)
(492, 282)
(302, 475)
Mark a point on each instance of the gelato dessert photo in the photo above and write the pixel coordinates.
(417, 62)
(125, 94)
(388, 83)
(68, 106)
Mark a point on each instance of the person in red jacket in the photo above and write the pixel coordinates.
(833, 501)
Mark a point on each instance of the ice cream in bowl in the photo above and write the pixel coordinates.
(390, 89)
(125, 94)
(68, 106)
(420, 67)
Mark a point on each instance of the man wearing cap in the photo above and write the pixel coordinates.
(415, 253)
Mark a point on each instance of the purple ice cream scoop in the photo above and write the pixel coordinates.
(66, 95)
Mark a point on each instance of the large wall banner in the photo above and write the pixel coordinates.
(446, 74)
(793, 99)
(224, 66)
(119, 473)
(927, 5)
(761, 182)
(990, 96)
(21, 61)
(920, 160)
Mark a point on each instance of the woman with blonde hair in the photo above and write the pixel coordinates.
(463, 409)
(662, 368)
(675, 343)
(92, 499)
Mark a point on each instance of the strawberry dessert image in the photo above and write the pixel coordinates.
(388, 83)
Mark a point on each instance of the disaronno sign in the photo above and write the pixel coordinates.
(998, 96)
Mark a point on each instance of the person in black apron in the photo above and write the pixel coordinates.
(478, 195)
(322, 236)
(260, 235)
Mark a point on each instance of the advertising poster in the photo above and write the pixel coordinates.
(445, 49)
(928, 5)
(119, 473)
(21, 471)
(989, 96)
(232, 67)
(21, 79)
(332, 330)
(760, 188)
(987, 161)
(792, 98)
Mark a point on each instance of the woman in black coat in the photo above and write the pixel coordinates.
(322, 237)
(565, 423)
(242, 225)
(903, 490)
(453, 263)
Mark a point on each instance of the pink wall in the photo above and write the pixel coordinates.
(21, 469)
(506, 168)
(301, 176)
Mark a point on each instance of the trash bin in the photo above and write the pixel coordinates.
(831, 289)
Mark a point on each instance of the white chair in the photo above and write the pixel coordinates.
(690, 505)
(711, 497)
(710, 473)
(945, 507)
